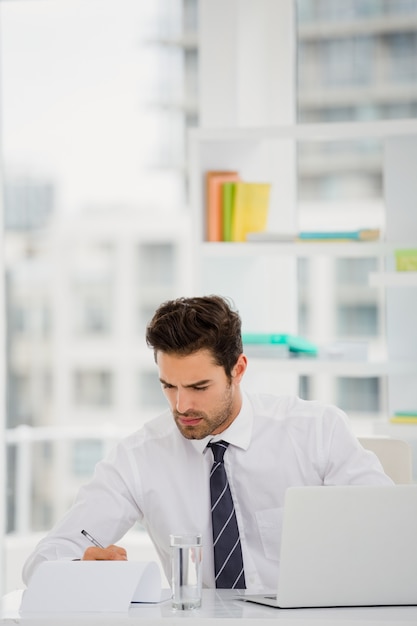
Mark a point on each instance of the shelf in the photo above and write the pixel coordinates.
(332, 367)
(352, 249)
(398, 431)
(189, 107)
(393, 279)
(188, 41)
(265, 271)
(371, 25)
(311, 132)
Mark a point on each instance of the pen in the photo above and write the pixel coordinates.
(90, 538)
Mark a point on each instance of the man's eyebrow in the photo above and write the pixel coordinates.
(198, 383)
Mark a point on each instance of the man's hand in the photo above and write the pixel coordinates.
(111, 553)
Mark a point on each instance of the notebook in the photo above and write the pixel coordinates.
(347, 546)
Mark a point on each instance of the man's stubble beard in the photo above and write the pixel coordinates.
(209, 423)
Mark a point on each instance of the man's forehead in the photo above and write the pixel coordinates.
(188, 370)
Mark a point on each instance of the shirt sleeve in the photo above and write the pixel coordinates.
(346, 461)
(106, 507)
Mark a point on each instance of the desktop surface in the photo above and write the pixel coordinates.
(219, 608)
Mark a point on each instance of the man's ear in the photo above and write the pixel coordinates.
(239, 369)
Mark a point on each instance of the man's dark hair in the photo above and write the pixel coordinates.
(186, 325)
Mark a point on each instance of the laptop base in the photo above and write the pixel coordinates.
(271, 600)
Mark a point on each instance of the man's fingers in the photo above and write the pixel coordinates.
(119, 553)
(111, 553)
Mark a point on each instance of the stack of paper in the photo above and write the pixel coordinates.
(91, 586)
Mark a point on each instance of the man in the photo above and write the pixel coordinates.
(160, 475)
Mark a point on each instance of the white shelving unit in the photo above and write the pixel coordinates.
(331, 249)
(355, 368)
(393, 279)
(261, 277)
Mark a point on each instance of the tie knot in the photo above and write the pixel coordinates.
(218, 448)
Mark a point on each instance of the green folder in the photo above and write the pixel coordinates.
(228, 198)
(293, 342)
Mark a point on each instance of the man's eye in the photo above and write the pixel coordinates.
(200, 388)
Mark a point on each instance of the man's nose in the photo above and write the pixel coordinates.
(183, 401)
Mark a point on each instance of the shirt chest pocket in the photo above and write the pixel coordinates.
(270, 529)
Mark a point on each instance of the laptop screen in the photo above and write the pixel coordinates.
(349, 545)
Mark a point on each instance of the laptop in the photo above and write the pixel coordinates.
(347, 546)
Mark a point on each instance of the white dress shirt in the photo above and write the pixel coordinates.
(161, 479)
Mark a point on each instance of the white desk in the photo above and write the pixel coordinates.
(219, 608)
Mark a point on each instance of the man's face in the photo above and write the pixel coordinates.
(202, 399)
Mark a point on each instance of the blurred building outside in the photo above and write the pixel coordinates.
(81, 287)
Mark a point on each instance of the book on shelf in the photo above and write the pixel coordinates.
(250, 209)
(404, 417)
(406, 260)
(234, 207)
(292, 343)
(228, 199)
(214, 202)
(265, 339)
(271, 236)
(345, 351)
(362, 234)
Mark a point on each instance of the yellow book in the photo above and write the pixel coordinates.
(406, 260)
(250, 210)
(404, 419)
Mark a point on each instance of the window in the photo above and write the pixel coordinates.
(347, 61)
(402, 57)
(359, 394)
(85, 456)
(357, 320)
(93, 388)
(151, 395)
(156, 265)
(354, 271)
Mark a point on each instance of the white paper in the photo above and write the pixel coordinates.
(91, 586)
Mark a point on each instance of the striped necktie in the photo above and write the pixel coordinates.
(228, 562)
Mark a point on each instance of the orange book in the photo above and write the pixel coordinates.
(214, 205)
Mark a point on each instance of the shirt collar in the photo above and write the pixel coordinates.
(237, 434)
